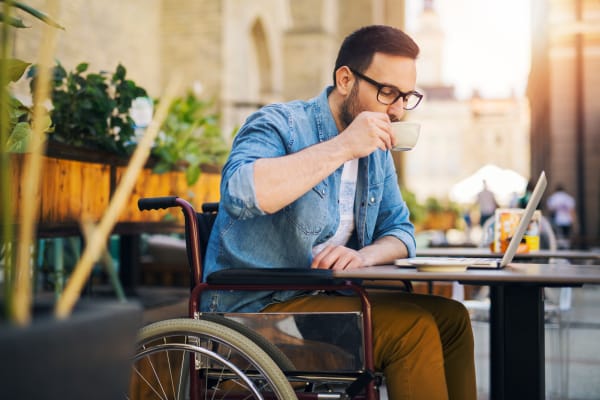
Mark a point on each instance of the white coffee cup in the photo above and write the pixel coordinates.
(406, 135)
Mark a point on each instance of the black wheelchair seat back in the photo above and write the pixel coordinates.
(205, 222)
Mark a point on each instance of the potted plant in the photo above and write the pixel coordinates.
(91, 110)
(439, 216)
(190, 139)
(92, 122)
(85, 355)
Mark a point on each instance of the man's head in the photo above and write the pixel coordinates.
(359, 47)
(376, 71)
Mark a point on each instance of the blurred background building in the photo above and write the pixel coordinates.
(244, 54)
(565, 116)
(459, 135)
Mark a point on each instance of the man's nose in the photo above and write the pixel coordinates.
(396, 111)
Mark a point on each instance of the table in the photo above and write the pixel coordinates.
(573, 255)
(516, 316)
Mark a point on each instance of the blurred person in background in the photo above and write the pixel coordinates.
(561, 206)
(523, 200)
(486, 201)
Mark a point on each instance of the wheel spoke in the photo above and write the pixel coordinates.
(224, 363)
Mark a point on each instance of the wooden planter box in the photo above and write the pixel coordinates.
(149, 184)
(440, 220)
(69, 190)
(78, 183)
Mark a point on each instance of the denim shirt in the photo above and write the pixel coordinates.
(245, 236)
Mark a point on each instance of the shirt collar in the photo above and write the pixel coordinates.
(326, 123)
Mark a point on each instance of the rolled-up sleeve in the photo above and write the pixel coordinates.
(262, 136)
(238, 195)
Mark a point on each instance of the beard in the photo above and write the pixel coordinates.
(350, 107)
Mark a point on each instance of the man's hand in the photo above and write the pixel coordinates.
(383, 251)
(369, 131)
(338, 257)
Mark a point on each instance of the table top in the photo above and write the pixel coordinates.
(542, 274)
(485, 252)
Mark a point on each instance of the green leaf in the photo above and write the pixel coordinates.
(12, 21)
(15, 68)
(19, 138)
(17, 111)
(82, 67)
(59, 73)
(120, 73)
(38, 14)
(192, 173)
(161, 167)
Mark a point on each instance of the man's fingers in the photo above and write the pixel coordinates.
(337, 257)
(318, 260)
(381, 126)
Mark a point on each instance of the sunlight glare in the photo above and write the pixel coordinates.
(487, 44)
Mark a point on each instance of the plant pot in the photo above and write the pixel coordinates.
(77, 182)
(440, 220)
(86, 356)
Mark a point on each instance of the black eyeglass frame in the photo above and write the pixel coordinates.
(401, 94)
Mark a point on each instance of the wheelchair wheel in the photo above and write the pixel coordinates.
(225, 364)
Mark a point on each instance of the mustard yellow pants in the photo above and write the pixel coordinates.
(423, 344)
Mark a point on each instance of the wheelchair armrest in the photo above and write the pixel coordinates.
(273, 276)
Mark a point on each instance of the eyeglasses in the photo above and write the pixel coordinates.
(388, 95)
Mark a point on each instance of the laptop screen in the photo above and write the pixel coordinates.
(534, 200)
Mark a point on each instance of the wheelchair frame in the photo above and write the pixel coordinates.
(364, 383)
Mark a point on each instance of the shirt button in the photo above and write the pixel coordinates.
(372, 199)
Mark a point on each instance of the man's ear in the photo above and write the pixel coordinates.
(344, 79)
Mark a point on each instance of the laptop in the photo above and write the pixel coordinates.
(450, 264)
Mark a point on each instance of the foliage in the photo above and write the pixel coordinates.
(18, 129)
(420, 212)
(190, 137)
(92, 109)
(17, 22)
(417, 211)
(15, 130)
(433, 205)
(17, 114)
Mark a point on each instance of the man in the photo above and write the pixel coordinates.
(312, 184)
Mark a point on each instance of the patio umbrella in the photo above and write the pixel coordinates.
(504, 183)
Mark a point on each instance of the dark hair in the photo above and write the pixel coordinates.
(358, 48)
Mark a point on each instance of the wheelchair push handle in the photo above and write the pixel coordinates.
(155, 203)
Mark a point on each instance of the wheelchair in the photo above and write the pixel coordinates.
(216, 356)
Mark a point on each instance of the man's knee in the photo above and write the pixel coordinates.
(455, 323)
(459, 310)
(462, 314)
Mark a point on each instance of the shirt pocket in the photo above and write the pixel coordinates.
(309, 213)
